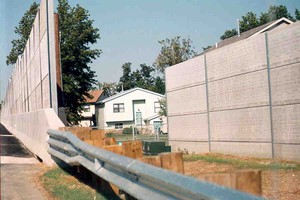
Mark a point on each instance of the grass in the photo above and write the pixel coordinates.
(62, 185)
(244, 164)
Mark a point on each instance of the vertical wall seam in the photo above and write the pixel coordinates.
(49, 63)
(40, 60)
(207, 104)
(270, 93)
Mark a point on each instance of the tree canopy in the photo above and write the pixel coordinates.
(250, 20)
(77, 36)
(142, 77)
(23, 30)
(174, 51)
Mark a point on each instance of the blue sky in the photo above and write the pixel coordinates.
(130, 29)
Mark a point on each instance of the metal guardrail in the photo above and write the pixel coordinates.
(136, 178)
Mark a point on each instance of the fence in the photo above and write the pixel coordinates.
(242, 98)
(139, 180)
(30, 106)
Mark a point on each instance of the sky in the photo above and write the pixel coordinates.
(130, 29)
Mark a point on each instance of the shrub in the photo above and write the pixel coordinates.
(129, 130)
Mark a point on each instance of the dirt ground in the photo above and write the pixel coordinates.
(276, 184)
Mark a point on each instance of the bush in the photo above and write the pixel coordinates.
(129, 130)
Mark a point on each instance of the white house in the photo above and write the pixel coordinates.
(89, 107)
(135, 106)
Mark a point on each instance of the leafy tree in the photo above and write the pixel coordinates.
(163, 107)
(297, 14)
(229, 33)
(159, 85)
(143, 77)
(173, 51)
(277, 12)
(77, 35)
(109, 87)
(23, 30)
(264, 18)
(249, 21)
(126, 78)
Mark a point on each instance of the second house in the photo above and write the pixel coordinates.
(127, 108)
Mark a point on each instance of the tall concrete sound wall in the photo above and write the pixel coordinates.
(31, 96)
(241, 99)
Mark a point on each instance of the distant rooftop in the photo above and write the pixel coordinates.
(96, 95)
(247, 34)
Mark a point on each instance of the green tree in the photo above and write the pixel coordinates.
(264, 18)
(297, 14)
(229, 33)
(163, 107)
(277, 12)
(249, 21)
(173, 51)
(77, 36)
(23, 30)
(125, 82)
(159, 85)
(143, 77)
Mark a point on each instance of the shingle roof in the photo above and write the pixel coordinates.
(96, 95)
(249, 33)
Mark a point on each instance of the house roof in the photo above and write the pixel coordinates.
(127, 92)
(96, 95)
(250, 33)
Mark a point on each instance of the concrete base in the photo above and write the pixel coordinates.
(31, 128)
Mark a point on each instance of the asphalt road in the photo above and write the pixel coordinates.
(19, 170)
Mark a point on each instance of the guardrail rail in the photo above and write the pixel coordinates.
(140, 180)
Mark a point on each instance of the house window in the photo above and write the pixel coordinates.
(86, 109)
(119, 126)
(156, 107)
(118, 107)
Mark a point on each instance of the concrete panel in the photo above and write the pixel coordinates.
(37, 32)
(46, 92)
(284, 45)
(44, 57)
(263, 150)
(189, 100)
(286, 123)
(285, 82)
(31, 42)
(189, 146)
(238, 92)
(31, 128)
(39, 104)
(188, 73)
(188, 127)
(37, 69)
(287, 152)
(251, 124)
(241, 57)
(43, 19)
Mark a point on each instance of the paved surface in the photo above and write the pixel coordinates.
(19, 170)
